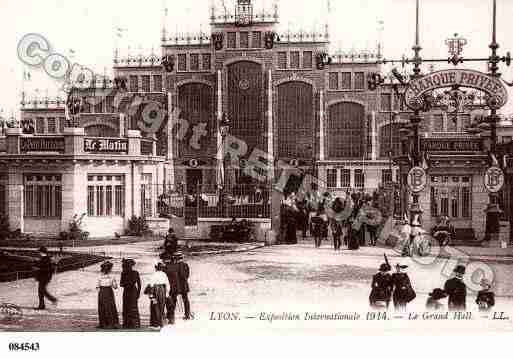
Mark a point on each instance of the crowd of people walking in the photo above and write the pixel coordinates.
(321, 213)
(398, 288)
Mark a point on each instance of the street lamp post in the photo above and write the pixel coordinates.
(224, 130)
(393, 117)
(423, 103)
(493, 211)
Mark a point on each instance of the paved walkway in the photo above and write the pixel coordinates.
(275, 279)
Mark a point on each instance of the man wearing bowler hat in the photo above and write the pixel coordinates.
(456, 289)
(178, 273)
(44, 276)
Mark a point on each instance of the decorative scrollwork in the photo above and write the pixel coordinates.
(416, 104)
(493, 102)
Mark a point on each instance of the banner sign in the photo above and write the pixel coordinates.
(451, 145)
(42, 144)
(457, 77)
(106, 145)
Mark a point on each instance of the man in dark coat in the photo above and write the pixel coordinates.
(171, 242)
(44, 276)
(381, 287)
(178, 274)
(456, 289)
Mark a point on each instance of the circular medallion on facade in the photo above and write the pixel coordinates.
(244, 84)
(417, 179)
(193, 163)
(494, 179)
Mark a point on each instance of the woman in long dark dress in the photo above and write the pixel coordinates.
(290, 216)
(354, 232)
(403, 290)
(131, 283)
(107, 311)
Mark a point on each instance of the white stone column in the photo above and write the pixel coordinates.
(74, 194)
(134, 142)
(374, 137)
(15, 200)
(321, 125)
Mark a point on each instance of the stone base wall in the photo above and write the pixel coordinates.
(158, 225)
(202, 231)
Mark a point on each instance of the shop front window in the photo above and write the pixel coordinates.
(359, 178)
(43, 197)
(451, 196)
(332, 178)
(146, 194)
(386, 176)
(345, 178)
(105, 196)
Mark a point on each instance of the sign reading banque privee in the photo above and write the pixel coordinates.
(457, 77)
(106, 145)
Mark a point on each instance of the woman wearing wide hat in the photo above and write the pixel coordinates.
(456, 289)
(157, 290)
(338, 212)
(433, 302)
(131, 283)
(485, 297)
(403, 290)
(107, 310)
(381, 287)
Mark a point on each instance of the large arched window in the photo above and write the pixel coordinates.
(295, 122)
(245, 105)
(387, 137)
(345, 130)
(196, 104)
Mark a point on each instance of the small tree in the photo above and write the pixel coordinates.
(137, 226)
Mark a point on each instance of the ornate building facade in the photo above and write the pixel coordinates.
(284, 96)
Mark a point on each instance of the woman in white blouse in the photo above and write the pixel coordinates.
(157, 290)
(107, 311)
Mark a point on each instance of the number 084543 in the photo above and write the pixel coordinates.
(14, 347)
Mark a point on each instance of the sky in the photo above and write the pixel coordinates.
(89, 28)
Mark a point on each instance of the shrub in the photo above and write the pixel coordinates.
(75, 231)
(137, 226)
